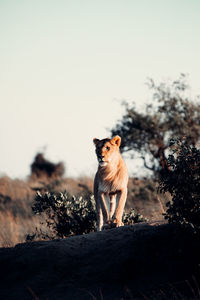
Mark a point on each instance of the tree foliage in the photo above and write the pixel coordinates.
(182, 181)
(170, 115)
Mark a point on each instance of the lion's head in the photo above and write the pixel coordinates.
(107, 150)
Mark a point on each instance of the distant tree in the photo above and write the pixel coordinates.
(170, 115)
(41, 167)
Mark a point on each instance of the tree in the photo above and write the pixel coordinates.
(170, 115)
(41, 167)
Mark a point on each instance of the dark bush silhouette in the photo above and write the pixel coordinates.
(41, 167)
(171, 114)
(182, 181)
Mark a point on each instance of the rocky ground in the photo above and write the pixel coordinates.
(144, 261)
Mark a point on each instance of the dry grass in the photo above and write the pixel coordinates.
(143, 196)
(16, 198)
(14, 229)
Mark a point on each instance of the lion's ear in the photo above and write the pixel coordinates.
(95, 141)
(116, 140)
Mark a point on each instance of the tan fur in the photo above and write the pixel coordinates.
(110, 183)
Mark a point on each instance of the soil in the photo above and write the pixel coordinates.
(130, 262)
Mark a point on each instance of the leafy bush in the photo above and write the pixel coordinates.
(65, 214)
(69, 215)
(132, 217)
(182, 181)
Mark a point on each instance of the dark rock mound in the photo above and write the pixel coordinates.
(125, 263)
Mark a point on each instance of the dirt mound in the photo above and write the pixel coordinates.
(125, 263)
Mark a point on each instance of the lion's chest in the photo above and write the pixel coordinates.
(109, 186)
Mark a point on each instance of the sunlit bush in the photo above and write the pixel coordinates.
(69, 215)
(65, 214)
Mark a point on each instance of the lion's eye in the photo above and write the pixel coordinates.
(107, 148)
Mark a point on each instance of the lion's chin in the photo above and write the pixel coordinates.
(103, 164)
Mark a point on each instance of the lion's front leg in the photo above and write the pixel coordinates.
(99, 216)
(121, 200)
(103, 203)
(112, 205)
(105, 211)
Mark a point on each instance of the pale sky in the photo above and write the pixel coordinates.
(65, 67)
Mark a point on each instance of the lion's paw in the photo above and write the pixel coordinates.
(117, 223)
(107, 225)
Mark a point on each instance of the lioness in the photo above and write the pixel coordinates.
(110, 183)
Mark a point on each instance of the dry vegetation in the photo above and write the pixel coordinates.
(16, 199)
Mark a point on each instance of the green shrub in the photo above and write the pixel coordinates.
(182, 181)
(66, 215)
(69, 215)
(132, 217)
